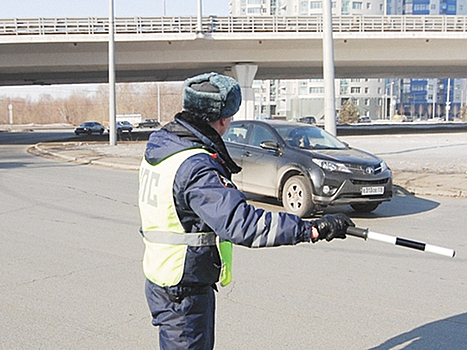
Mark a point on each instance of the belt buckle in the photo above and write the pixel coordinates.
(175, 299)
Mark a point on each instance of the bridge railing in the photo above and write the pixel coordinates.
(229, 24)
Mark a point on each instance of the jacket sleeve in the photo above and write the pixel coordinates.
(223, 208)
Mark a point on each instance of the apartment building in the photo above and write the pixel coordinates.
(429, 98)
(298, 98)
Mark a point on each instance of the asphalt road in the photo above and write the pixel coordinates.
(70, 272)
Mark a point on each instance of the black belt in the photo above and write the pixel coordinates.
(177, 294)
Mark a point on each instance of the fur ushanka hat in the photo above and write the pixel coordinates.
(212, 96)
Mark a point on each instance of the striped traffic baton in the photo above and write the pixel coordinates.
(367, 234)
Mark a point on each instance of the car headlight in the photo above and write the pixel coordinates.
(331, 166)
(383, 166)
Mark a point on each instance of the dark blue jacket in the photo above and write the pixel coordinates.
(206, 201)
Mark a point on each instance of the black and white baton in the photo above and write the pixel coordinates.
(367, 234)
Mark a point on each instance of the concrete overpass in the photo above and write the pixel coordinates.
(64, 50)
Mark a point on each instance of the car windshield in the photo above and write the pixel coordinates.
(308, 137)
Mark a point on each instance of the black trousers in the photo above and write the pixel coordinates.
(185, 316)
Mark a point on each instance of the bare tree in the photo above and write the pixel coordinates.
(4, 110)
(348, 113)
(463, 113)
(149, 102)
(171, 101)
(145, 98)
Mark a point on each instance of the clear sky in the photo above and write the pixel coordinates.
(100, 8)
(97, 8)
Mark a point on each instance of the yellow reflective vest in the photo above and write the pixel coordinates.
(165, 239)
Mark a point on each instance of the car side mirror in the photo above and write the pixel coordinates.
(271, 145)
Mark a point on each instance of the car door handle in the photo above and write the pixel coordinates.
(247, 154)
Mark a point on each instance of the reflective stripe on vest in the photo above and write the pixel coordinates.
(165, 239)
(191, 239)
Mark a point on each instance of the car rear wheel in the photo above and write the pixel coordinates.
(296, 196)
(365, 208)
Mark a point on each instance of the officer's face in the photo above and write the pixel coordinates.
(221, 125)
(226, 125)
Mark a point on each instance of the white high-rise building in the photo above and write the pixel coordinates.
(256, 7)
(299, 98)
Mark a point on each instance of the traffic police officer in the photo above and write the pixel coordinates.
(191, 214)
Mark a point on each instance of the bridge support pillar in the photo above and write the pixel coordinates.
(245, 74)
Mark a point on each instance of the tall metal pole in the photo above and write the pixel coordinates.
(385, 104)
(10, 113)
(328, 70)
(112, 104)
(448, 102)
(159, 102)
(391, 106)
(199, 27)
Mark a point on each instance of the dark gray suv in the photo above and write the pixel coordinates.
(305, 167)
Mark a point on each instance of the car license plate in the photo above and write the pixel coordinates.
(368, 191)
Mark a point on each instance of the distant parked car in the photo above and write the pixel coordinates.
(307, 120)
(305, 167)
(364, 119)
(122, 126)
(90, 128)
(148, 123)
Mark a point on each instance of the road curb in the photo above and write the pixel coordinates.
(404, 182)
(89, 158)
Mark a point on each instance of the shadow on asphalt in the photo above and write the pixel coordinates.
(449, 333)
(403, 203)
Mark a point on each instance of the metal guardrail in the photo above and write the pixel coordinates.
(229, 24)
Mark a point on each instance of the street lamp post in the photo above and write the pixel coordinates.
(392, 102)
(159, 102)
(384, 105)
(435, 97)
(199, 27)
(328, 70)
(448, 102)
(10, 113)
(112, 104)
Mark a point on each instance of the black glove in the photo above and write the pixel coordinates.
(332, 226)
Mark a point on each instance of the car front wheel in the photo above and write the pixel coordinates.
(296, 196)
(365, 208)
